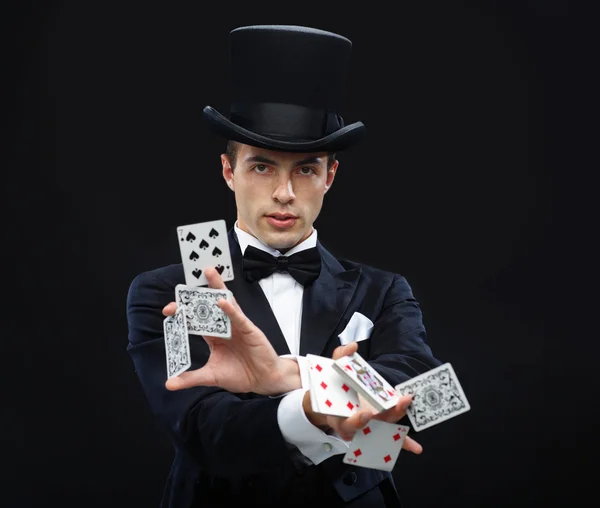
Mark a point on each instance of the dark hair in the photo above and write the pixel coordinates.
(232, 150)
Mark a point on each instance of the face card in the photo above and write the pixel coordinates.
(377, 445)
(367, 381)
(202, 245)
(203, 315)
(331, 394)
(177, 345)
(437, 397)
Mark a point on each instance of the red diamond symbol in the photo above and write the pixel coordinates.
(357, 453)
(387, 458)
(348, 367)
(328, 402)
(323, 384)
(391, 393)
(350, 405)
(396, 437)
(366, 430)
(345, 387)
(318, 367)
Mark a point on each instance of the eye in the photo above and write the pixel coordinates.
(306, 170)
(260, 168)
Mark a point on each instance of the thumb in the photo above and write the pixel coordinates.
(169, 309)
(347, 350)
(199, 377)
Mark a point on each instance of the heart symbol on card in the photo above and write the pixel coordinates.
(216, 252)
(194, 255)
(213, 233)
(203, 244)
(190, 237)
(197, 272)
(220, 269)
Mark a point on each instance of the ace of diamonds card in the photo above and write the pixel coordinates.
(202, 245)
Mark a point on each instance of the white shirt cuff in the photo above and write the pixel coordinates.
(297, 430)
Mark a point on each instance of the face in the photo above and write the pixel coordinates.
(278, 195)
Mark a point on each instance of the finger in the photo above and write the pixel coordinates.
(216, 282)
(347, 427)
(214, 278)
(347, 350)
(397, 412)
(169, 309)
(237, 317)
(412, 446)
(198, 377)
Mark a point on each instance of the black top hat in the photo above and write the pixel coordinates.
(287, 84)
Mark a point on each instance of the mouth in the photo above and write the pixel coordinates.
(282, 220)
(282, 216)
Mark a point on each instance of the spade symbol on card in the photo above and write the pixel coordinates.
(197, 272)
(194, 255)
(203, 244)
(213, 233)
(220, 269)
(190, 237)
(216, 252)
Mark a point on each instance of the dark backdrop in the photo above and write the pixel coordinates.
(471, 182)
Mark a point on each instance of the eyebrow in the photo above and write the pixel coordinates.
(265, 160)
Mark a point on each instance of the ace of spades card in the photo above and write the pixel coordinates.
(202, 245)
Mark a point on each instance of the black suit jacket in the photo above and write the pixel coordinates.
(229, 446)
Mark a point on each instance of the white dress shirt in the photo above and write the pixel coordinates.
(284, 295)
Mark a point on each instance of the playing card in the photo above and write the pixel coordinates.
(202, 245)
(377, 445)
(366, 381)
(204, 316)
(330, 393)
(437, 397)
(177, 345)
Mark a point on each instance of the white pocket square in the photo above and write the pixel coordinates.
(358, 328)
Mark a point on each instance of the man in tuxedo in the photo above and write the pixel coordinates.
(240, 419)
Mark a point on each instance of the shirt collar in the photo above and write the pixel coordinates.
(246, 239)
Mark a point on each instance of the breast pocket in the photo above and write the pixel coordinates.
(358, 329)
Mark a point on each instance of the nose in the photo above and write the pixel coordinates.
(284, 192)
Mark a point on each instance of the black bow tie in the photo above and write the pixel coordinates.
(304, 266)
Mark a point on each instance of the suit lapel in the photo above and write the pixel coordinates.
(253, 301)
(324, 302)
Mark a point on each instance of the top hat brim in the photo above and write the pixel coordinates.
(336, 141)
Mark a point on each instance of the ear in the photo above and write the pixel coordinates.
(331, 175)
(227, 171)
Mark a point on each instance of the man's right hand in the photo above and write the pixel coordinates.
(347, 427)
(245, 363)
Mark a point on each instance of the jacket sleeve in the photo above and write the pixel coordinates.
(228, 434)
(398, 343)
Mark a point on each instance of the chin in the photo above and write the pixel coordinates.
(282, 240)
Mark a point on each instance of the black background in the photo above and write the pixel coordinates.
(475, 182)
